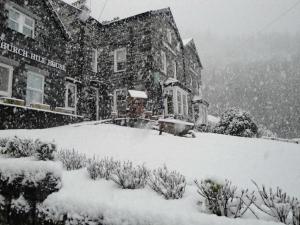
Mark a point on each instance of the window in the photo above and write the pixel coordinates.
(120, 60)
(184, 104)
(163, 62)
(94, 60)
(5, 80)
(71, 96)
(175, 69)
(169, 36)
(35, 88)
(120, 103)
(179, 102)
(170, 105)
(20, 22)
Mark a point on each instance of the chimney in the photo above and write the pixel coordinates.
(85, 11)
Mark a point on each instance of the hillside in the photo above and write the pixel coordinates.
(239, 159)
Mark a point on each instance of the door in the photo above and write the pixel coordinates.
(94, 104)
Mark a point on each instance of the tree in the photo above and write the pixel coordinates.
(236, 122)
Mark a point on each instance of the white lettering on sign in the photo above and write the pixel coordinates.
(35, 57)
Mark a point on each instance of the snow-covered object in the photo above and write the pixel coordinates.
(171, 80)
(213, 119)
(128, 176)
(85, 201)
(31, 171)
(170, 184)
(175, 121)
(186, 41)
(71, 159)
(137, 94)
(207, 155)
(102, 169)
(20, 205)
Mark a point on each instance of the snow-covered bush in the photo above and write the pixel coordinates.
(223, 199)
(169, 184)
(71, 159)
(20, 205)
(102, 169)
(128, 176)
(265, 132)
(17, 147)
(296, 213)
(276, 204)
(45, 151)
(3, 142)
(236, 122)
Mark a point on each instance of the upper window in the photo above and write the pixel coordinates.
(71, 96)
(94, 60)
(184, 104)
(120, 60)
(163, 62)
(35, 88)
(20, 22)
(5, 80)
(169, 36)
(175, 69)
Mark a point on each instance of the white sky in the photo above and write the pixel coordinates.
(224, 17)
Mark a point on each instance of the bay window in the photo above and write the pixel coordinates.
(5, 80)
(71, 96)
(179, 102)
(120, 60)
(35, 88)
(20, 22)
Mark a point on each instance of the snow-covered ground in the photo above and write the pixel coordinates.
(209, 155)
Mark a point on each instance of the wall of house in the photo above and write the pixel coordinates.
(193, 68)
(49, 42)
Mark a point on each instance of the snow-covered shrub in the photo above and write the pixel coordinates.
(102, 169)
(3, 142)
(45, 151)
(265, 132)
(236, 122)
(296, 212)
(17, 147)
(276, 204)
(204, 128)
(223, 199)
(169, 184)
(20, 205)
(71, 159)
(128, 176)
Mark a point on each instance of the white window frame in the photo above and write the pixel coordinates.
(116, 62)
(74, 109)
(164, 62)
(10, 76)
(34, 89)
(169, 36)
(94, 62)
(175, 69)
(21, 21)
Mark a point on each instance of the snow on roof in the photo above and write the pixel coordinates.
(186, 41)
(171, 81)
(137, 94)
(197, 98)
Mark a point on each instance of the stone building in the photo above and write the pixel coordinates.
(91, 66)
(33, 88)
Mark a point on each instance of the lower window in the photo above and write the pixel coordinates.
(71, 96)
(5, 80)
(35, 88)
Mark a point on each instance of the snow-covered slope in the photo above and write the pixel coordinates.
(239, 159)
(209, 155)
